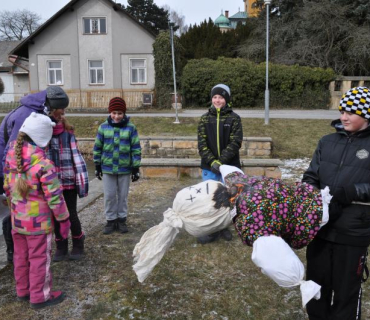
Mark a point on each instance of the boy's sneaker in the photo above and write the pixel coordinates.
(110, 227)
(55, 298)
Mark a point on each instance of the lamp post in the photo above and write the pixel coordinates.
(267, 92)
(171, 24)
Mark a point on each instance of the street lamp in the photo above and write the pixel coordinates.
(172, 24)
(267, 93)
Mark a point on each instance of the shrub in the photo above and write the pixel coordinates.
(290, 86)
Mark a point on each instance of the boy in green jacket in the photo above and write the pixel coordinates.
(117, 157)
(220, 136)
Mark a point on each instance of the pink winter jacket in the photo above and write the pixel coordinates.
(33, 214)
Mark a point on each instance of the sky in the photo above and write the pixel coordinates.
(195, 11)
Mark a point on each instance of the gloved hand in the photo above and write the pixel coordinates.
(98, 171)
(135, 174)
(344, 195)
(215, 167)
(335, 210)
(64, 228)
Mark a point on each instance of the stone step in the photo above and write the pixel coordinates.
(174, 168)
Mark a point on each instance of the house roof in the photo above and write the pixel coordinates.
(222, 20)
(5, 48)
(22, 48)
(239, 15)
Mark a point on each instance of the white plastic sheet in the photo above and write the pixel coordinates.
(194, 210)
(279, 262)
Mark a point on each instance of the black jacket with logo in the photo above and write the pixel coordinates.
(341, 160)
(220, 136)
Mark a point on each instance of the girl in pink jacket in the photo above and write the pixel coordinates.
(34, 195)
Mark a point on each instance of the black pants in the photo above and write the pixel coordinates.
(70, 197)
(7, 232)
(339, 270)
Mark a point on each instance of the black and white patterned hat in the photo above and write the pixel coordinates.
(357, 101)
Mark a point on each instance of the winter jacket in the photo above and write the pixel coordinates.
(220, 136)
(343, 160)
(117, 147)
(14, 120)
(69, 163)
(267, 206)
(33, 214)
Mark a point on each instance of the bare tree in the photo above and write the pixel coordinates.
(178, 19)
(18, 24)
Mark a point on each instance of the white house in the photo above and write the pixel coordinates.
(94, 50)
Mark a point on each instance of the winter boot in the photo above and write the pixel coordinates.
(62, 250)
(226, 234)
(78, 247)
(209, 238)
(55, 298)
(122, 227)
(110, 227)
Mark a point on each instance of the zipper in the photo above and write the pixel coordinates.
(218, 131)
(349, 141)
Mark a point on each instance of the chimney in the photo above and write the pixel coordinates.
(226, 13)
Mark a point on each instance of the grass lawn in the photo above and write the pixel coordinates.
(292, 138)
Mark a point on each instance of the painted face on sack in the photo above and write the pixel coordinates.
(117, 116)
(353, 122)
(218, 101)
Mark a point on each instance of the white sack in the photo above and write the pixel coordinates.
(278, 261)
(326, 198)
(193, 209)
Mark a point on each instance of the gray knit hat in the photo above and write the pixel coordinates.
(223, 90)
(56, 98)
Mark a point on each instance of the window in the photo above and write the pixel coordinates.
(138, 71)
(55, 73)
(95, 26)
(96, 71)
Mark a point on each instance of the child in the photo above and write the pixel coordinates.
(73, 176)
(336, 259)
(35, 197)
(220, 136)
(117, 156)
(269, 215)
(39, 102)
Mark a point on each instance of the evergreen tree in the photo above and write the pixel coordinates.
(149, 14)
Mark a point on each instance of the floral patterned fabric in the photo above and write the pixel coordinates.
(267, 206)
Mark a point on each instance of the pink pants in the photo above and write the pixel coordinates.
(32, 258)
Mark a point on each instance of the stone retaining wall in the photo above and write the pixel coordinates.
(187, 147)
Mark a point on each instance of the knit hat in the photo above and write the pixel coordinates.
(117, 104)
(39, 128)
(357, 101)
(222, 90)
(56, 98)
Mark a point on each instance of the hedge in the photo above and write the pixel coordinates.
(290, 86)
